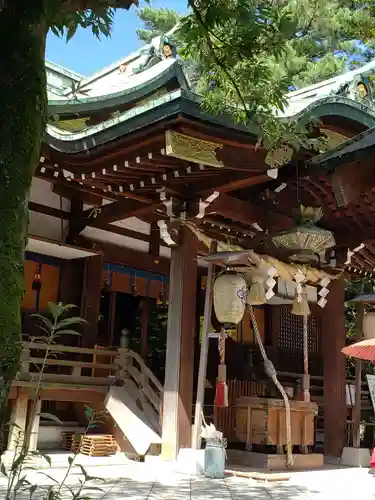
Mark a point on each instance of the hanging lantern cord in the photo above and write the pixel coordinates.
(306, 390)
(271, 372)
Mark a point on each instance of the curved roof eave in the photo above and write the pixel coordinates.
(166, 106)
(126, 96)
(337, 106)
(353, 149)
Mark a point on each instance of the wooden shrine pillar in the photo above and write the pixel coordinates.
(333, 340)
(33, 443)
(90, 305)
(178, 386)
(17, 425)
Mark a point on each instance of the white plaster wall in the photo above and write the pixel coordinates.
(41, 192)
(134, 224)
(45, 226)
(116, 239)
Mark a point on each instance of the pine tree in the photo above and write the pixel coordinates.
(156, 22)
(330, 37)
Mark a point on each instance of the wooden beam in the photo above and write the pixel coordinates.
(119, 210)
(51, 211)
(72, 394)
(242, 211)
(69, 191)
(127, 256)
(122, 231)
(226, 182)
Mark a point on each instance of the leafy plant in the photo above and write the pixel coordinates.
(53, 328)
(60, 490)
(18, 483)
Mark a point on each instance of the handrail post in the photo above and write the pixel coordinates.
(124, 361)
(25, 366)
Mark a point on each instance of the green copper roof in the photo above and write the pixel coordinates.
(166, 106)
(132, 94)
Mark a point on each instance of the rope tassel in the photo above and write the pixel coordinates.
(221, 396)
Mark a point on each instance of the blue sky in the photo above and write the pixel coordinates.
(86, 55)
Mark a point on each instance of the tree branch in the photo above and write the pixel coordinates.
(214, 55)
(74, 5)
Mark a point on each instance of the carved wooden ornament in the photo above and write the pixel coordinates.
(192, 149)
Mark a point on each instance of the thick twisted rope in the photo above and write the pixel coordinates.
(271, 372)
(306, 392)
(222, 346)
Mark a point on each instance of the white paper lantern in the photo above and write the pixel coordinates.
(230, 291)
(368, 325)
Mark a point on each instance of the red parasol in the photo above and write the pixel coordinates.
(361, 350)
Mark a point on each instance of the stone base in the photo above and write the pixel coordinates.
(273, 462)
(355, 457)
(190, 461)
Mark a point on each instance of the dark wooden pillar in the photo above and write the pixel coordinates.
(71, 281)
(154, 250)
(145, 311)
(178, 386)
(333, 340)
(90, 305)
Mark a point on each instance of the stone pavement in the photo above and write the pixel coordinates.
(156, 481)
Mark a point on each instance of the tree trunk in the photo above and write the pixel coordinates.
(23, 105)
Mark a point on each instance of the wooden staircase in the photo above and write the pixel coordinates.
(118, 380)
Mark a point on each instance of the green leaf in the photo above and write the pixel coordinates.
(3, 470)
(67, 332)
(17, 462)
(32, 490)
(70, 321)
(46, 322)
(71, 32)
(89, 412)
(93, 488)
(83, 470)
(50, 477)
(47, 458)
(54, 310)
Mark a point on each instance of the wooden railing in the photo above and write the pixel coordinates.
(63, 366)
(149, 387)
(68, 365)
